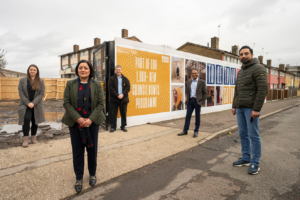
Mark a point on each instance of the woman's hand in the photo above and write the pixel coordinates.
(80, 121)
(30, 105)
(87, 123)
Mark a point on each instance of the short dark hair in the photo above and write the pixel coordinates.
(90, 66)
(195, 69)
(246, 47)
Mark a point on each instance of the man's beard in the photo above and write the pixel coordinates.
(246, 61)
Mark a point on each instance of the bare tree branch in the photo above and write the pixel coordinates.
(3, 61)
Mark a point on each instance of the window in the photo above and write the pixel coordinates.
(274, 72)
(72, 56)
(81, 53)
(73, 66)
(65, 67)
(271, 86)
(268, 70)
(279, 86)
(65, 57)
(282, 74)
(86, 52)
(275, 86)
(99, 62)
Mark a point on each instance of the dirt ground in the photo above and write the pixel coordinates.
(53, 113)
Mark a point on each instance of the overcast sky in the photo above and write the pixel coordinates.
(36, 32)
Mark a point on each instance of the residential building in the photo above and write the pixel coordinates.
(11, 74)
(293, 69)
(213, 51)
(69, 60)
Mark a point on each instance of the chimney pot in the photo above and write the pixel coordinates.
(124, 33)
(234, 50)
(269, 62)
(260, 58)
(215, 43)
(282, 67)
(97, 41)
(75, 47)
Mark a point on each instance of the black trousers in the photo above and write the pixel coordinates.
(78, 151)
(114, 111)
(29, 116)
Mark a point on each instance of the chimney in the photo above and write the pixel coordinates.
(215, 43)
(269, 63)
(282, 67)
(234, 50)
(97, 41)
(75, 47)
(124, 33)
(260, 58)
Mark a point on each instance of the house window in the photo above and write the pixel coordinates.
(275, 86)
(268, 70)
(86, 52)
(271, 86)
(73, 56)
(81, 53)
(274, 72)
(65, 67)
(282, 74)
(73, 66)
(99, 62)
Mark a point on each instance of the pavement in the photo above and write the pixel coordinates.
(44, 171)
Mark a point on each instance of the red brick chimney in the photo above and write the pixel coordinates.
(124, 33)
(269, 63)
(97, 41)
(75, 47)
(260, 58)
(234, 50)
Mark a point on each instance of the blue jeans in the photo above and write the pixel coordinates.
(190, 108)
(249, 131)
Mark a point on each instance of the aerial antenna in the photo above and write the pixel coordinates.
(219, 27)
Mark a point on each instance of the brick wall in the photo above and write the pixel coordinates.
(201, 51)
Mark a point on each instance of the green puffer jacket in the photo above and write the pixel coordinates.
(251, 86)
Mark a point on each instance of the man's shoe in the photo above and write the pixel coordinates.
(182, 133)
(253, 169)
(195, 134)
(93, 180)
(112, 130)
(78, 186)
(124, 129)
(241, 163)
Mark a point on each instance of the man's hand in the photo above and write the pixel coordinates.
(30, 105)
(233, 111)
(87, 123)
(254, 114)
(121, 96)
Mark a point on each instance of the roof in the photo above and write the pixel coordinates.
(206, 47)
(88, 48)
(10, 71)
(133, 37)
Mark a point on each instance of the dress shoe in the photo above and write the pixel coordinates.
(112, 130)
(93, 180)
(182, 133)
(78, 186)
(195, 134)
(124, 129)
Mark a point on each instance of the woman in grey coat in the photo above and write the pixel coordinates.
(31, 91)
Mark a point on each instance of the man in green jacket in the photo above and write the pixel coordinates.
(250, 91)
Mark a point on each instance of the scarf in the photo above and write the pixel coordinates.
(83, 109)
(179, 97)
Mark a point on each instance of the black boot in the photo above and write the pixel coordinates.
(112, 130)
(78, 186)
(93, 180)
(195, 134)
(182, 133)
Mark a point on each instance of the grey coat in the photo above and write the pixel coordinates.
(37, 101)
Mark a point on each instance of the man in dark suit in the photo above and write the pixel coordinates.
(118, 86)
(196, 95)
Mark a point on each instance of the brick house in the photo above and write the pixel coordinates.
(12, 74)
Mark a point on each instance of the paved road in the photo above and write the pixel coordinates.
(206, 171)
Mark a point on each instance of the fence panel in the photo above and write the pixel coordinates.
(269, 95)
(285, 94)
(54, 88)
(275, 95)
(279, 94)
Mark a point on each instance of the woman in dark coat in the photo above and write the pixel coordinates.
(31, 91)
(83, 102)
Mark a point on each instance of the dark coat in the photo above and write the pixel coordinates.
(251, 86)
(37, 101)
(70, 102)
(113, 89)
(201, 91)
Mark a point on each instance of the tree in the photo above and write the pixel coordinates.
(3, 61)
